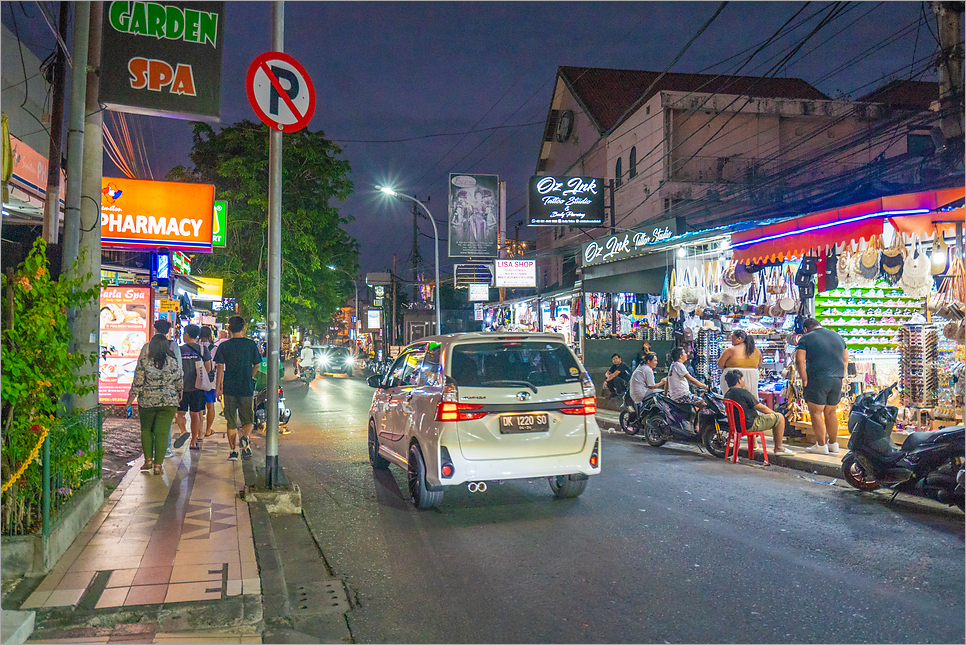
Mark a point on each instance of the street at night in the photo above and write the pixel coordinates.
(666, 545)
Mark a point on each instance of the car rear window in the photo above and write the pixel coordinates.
(510, 363)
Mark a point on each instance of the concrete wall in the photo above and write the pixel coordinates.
(32, 555)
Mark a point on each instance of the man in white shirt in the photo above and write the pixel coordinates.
(642, 380)
(678, 379)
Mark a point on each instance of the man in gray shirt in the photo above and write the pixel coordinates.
(821, 358)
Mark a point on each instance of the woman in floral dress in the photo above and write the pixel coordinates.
(158, 386)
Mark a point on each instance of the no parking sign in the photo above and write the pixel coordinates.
(280, 91)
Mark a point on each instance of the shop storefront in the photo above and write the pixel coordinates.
(886, 275)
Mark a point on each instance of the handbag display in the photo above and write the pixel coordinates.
(831, 270)
(892, 260)
(846, 268)
(869, 264)
(916, 279)
(787, 302)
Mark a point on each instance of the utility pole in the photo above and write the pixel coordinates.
(415, 254)
(502, 239)
(949, 68)
(87, 250)
(392, 335)
(52, 202)
(274, 270)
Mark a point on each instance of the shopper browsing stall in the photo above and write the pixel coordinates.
(821, 359)
(744, 356)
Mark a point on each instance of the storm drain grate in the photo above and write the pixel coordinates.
(325, 597)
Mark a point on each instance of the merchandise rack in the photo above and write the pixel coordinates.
(842, 309)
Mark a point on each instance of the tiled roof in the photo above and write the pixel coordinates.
(608, 93)
(915, 95)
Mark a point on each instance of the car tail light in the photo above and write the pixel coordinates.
(586, 405)
(446, 468)
(595, 455)
(449, 411)
(450, 393)
(588, 385)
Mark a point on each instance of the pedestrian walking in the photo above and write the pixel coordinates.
(193, 400)
(163, 327)
(237, 361)
(821, 358)
(157, 386)
(206, 341)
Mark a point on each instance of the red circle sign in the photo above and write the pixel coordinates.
(286, 109)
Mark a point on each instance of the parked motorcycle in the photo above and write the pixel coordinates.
(261, 415)
(667, 420)
(929, 464)
(628, 419)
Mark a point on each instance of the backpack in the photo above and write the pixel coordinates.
(188, 365)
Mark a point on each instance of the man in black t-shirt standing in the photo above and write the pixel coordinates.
(821, 358)
(237, 360)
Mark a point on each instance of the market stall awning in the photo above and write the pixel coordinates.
(854, 222)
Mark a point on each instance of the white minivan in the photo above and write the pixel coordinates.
(477, 407)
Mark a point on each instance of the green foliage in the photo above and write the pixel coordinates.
(236, 161)
(39, 370)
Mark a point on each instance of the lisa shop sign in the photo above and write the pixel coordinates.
(571, 201)
(627, 245)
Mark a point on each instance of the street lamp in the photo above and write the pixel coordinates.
(353, 286)
(390, 191)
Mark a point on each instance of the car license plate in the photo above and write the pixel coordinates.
(514, 423)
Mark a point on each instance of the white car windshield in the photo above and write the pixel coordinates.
(510, 363)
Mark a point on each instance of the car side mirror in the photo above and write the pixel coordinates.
(374, 380)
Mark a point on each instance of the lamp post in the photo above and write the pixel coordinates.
(355, 288)
(390, 191)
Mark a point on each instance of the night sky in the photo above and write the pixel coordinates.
(406, 71)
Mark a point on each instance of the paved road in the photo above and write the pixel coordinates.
(663, 546)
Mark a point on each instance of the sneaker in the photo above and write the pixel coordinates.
(818, 449)
(169, 454)
(233, 455)
(833, 448)
(783, 451)
(247, 453)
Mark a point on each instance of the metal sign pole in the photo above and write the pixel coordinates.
(274, 271)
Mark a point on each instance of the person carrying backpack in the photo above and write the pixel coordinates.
(193, 400)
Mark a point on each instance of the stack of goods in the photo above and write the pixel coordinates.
(867, 318)
(919, 353)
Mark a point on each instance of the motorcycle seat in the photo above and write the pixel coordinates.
(917, 439)
(684, 407)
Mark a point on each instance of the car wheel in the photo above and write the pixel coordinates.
(564, 487)
(378, 461)
(422, 497)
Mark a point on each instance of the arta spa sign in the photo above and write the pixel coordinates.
(570, 201)
(627, 245)
(143, 215)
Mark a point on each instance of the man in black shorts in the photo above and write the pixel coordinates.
(193, 400)
(237, 361)
(821, 359)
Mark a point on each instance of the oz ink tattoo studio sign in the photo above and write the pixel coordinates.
(627, 245)
(566, 201)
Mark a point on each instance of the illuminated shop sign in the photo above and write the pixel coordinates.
(627, 245)
(137, 214)
(570, 201)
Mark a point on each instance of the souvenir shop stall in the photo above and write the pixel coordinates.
(557, 312)
(512, 315)
(887, 275)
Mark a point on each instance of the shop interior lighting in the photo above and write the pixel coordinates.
(768, 238)
(682, 252)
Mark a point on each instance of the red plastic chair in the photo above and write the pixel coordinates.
(736, 419)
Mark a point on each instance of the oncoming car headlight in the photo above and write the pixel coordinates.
(323, 361)
(349, 360)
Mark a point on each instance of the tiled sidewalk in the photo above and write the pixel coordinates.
(178, 537)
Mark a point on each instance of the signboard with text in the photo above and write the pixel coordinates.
(219, 227)
(373, 320)
(515, 273)
(141, 215)
(208, 288)
(125, 326)
(479, 292)
(627, 245)
(163, 59)
(570, 201)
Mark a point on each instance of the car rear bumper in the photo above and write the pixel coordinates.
(521, 468)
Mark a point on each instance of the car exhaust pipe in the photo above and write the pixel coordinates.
(476, 487)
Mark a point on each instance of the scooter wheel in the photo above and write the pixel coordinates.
(654, 433)
(856, 476)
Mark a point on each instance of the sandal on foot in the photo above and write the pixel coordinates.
(158, 470)
(147, 465)
(209, 433)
